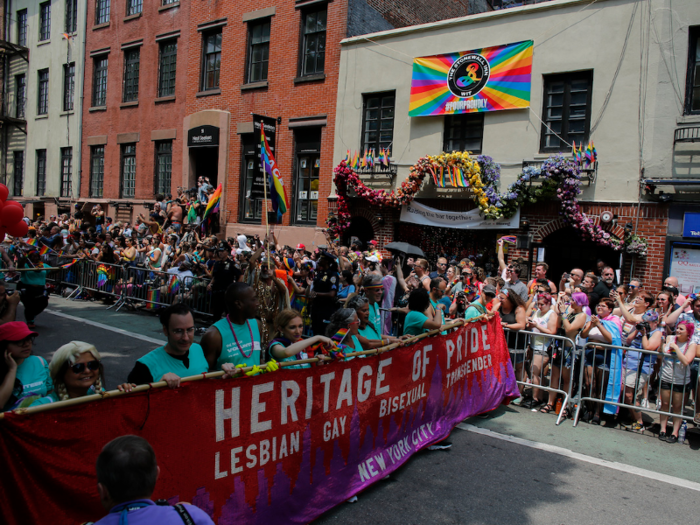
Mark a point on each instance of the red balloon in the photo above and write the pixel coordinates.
(18, 229)
(4, 192)
(11, 215)
(14, 203)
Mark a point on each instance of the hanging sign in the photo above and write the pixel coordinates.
(691, 224)
(203, 136)
(487, 79)
(417, 213)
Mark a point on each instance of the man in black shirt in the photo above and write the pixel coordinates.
(605, 285)
(224, 273)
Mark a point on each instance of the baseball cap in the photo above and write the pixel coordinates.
(489, 289)
(372, 258)
(301, 247)
(373, 242)
(15, 331)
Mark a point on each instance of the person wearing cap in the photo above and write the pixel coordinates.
(374, 252)
(224, 273)
(24, 377)
(478, 307)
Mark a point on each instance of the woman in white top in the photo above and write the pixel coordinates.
(545, 321)
(678, 352)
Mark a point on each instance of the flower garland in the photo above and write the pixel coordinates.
(560, 177)
(636, 245)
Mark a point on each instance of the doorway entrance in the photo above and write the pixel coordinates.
(205, 163)
(360, 228)
(564, 250)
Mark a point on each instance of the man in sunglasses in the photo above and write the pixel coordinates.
(634, 286)
(180, 357)
(441, 269)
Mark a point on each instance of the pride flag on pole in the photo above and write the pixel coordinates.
(277, 193)
(213, 204)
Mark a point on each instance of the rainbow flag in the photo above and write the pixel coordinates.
(511, 239)
(31, 242)
(213, 204)
(70, 263)
(277, 194)
(103, 274)
(173, 285)
(340, 335)
(43, 250)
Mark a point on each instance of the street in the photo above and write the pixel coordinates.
(516, 466)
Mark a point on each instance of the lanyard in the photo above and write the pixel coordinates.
(125, 509)
(252, 342)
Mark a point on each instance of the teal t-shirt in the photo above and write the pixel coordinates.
(160, 362)
(53, 397)
(413, 324)
(368, 332)
(374, 316)
(291, 358)
(475, 310)
(241, 349)
(34, 278)
(357, 347)
(33, 382)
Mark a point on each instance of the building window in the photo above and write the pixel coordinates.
(314, 47)
(252, 190)
(18, 171)
(66, 171)
(170, 2)
(131, 75)
(97, 171)
(212, 61)
(258, 50)
(134, 7)
(692, 92)
(128, 169)
(99, 82)
(167, 67)
(20, 95)
(44, 21)
(71, 16)
(566, 110)
(68, 86)
(378, 121)
(164, 167)
(22, 28)
(102, 12)
(464, 132)
(307, 163)
(40, 172)
(42, 107)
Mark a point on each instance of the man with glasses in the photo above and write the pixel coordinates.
(571, 280)
(441, 269)
(180, 357)
(634, 286)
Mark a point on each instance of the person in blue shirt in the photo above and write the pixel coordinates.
(421, 317)
(127, 472)
(346, 285)
(180, 357)
(24, 377)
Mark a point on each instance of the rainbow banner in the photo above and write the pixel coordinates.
(487, 79)
(278, 196)
(213, 204)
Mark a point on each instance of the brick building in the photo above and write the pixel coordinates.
(233, 60)
(135, 90)
(581, 88)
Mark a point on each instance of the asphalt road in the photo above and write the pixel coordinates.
(482, 479)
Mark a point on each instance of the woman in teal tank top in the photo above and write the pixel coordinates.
(288, 346)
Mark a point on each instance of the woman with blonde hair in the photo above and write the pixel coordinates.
(288, 344)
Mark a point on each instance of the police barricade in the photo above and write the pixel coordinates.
(621, 376)
(100, 277)
(194, 293)
(543, 362)
(149, 288)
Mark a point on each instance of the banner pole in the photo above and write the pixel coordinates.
(267, 219)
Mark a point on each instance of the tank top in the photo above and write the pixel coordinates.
(672, 370)
(238, 349)
(514, 340)
(160, 362)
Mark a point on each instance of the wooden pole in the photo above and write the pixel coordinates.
(267, 221)
(212, 375)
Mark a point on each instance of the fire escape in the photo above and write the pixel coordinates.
(10, 115)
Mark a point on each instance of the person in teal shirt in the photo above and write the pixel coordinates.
(24, 377)
(180, 357)
(478, 307)
(235, 339)
(368, 333)
(32, 286)
(417, 322)
(288, 346)
(346, 318)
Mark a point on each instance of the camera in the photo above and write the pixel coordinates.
(643, 327)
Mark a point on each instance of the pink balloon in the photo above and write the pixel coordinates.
(4, 192)
(11, 215)
(18, 229)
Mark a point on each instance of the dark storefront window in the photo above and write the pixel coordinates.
(18, 173)
(167, 68)
(102, 12)
(66, 171)
(307, 163)
(212, 60)
(164, 167)
(40, 172)
(20, 95)
(464, 132)
(44, 21)
(99, 82)
(22, 28)
(132, 58)
(692, 95)
(42, 107)
(68, 86)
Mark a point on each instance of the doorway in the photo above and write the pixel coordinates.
(205, 163)
(360, 228)
(564, 250)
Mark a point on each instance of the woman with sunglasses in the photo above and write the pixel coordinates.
(24, 377)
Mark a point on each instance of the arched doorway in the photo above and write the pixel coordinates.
(565, 250)
(360, 228)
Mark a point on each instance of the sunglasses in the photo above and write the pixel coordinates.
(80, 367)
(631, 286)
(22, 342)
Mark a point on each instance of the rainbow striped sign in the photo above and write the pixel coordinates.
(488, 79)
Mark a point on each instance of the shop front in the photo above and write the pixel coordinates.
(682, 259)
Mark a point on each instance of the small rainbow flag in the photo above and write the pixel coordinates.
(213, 204)
(43, 250)
(510, 239)
(173, 285)
(277, 193)
(103, 274)
(340, 335)
(31, 242)
(70, 263)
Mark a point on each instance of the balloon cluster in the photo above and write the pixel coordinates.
(11, 215)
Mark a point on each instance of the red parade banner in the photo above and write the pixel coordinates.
(281, 447)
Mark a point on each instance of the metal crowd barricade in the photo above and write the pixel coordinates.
(152, 288)
(600, 355)
(560, 354)
(100, 277)
(194, 293)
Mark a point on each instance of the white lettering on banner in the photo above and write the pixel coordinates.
(337, 430)
(326, 380)
(367, 470)
(417, 213)
(469, 103)
(259, 454)
(381, 376)
(364, 388)
(345, 389)
(289, 400)
(222, 414)
(400, 402)
(418, 437)
(257, 407)
(472, 365)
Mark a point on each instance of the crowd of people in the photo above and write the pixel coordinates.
(275, 303)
